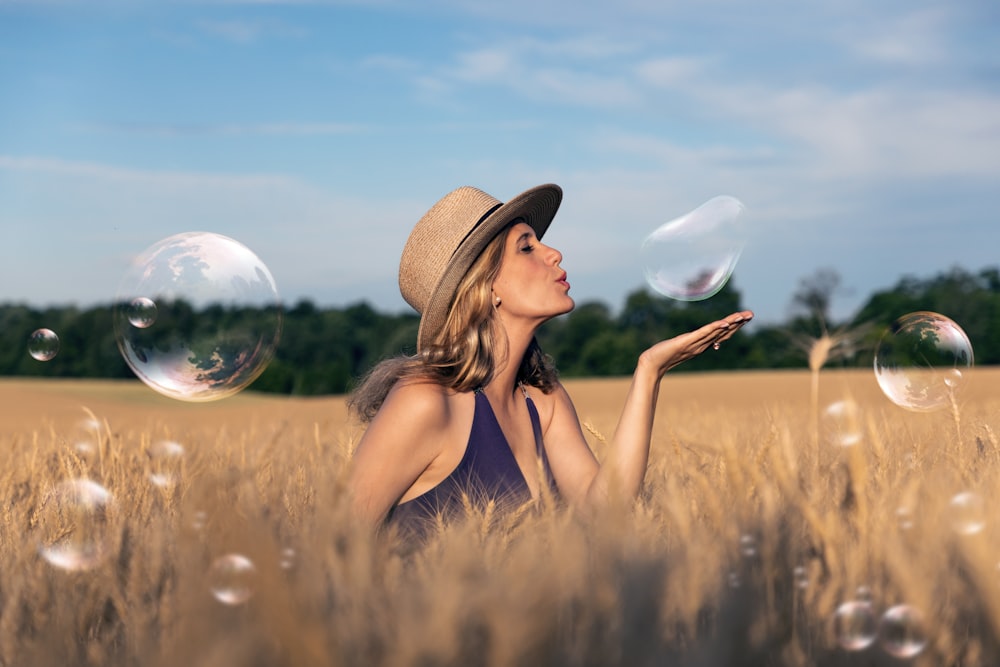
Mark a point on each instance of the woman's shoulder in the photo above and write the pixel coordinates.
(547, 403)
(423, 401)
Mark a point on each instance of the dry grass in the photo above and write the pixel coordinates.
(700, 572)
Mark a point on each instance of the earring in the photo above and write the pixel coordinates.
(496, 302)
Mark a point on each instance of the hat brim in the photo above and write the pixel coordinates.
(536, 206)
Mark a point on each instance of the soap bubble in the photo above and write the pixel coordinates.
(166, 458)
(748, 545)
(86, 436)
(841, 423)
(919, 361)
(288, 558)
(142, 312)
(904, 516)
(901, 632)
(43, 344)
(75, 524)
(216, 316)
(692, 258)
(800, 576)
(854, 625)
(968, 513)
(199, 520)
(232, 578)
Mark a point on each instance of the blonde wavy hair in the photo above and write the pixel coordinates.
(466, 352)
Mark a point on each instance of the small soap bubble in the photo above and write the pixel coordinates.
(968, 513)
(800, 577)
(901, 632)
(166, 458)
(75, 521)
(217, 317)
(85, 437)
(855, 626)
(232, 579)
(199, 520)
(142, 312)
(841, 423)
(921, 360)
(287, 559)
(904, 517)
(692, 257)
(952, 378)
(43, 344)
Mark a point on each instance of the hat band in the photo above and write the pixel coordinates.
(476, 226)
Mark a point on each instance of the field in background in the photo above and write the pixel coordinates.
(753, 528)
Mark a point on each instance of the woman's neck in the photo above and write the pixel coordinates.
(504, 381)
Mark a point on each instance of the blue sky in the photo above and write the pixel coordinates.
(863, 137)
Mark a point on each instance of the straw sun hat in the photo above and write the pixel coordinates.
(447, 240)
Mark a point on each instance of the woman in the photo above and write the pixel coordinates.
(478, 413)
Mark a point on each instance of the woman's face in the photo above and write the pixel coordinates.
(530, 282)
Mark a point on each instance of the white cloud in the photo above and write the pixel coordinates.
(112, 174)
(558, 71)
(592, 47)
(880, 132)
(287, 129)
(486, 66)
(241, 32)
(877, 127)
(314, 241)
(250, 31)
(821, 118)
(389, 62)
(671, 71)
(913, 39)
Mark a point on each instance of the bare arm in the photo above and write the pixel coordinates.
(399, 444)
(578, 474)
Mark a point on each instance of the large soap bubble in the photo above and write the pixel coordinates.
(197, 316)
(920, 361)
(693, 257)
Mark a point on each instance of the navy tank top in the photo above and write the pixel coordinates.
(487, 472)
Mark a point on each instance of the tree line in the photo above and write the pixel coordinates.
(326, 350)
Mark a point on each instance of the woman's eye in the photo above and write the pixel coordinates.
(527, 248)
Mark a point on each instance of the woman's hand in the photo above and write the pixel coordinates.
(669, 353)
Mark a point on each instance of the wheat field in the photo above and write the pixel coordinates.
(765, 517)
